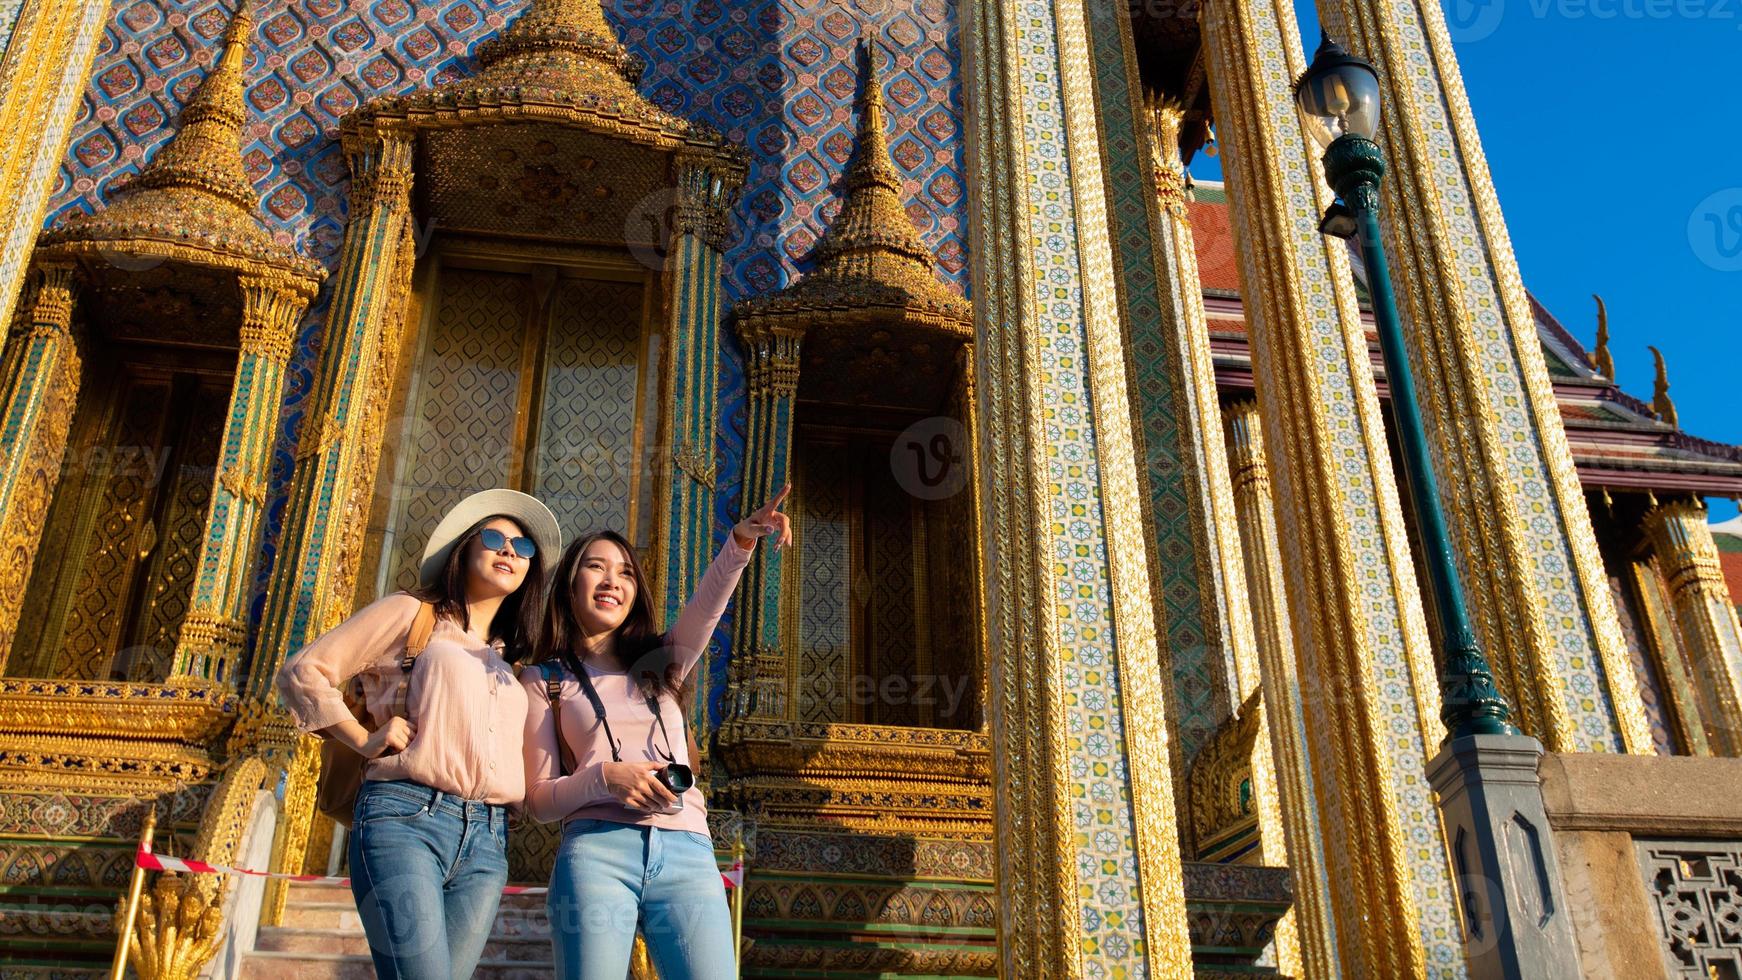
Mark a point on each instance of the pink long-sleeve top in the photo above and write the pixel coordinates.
(468, 712)
(581, 794)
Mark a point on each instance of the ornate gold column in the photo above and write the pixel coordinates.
(46, 66)
(1215, 521)
(1711, 638)
(330, 488)
(1089, 878)
(1366, 667)
(216, 628)
(1299, 770)
(758, 684)
(706, 185)
(1188, 508)
(40, 388)
(1526, 550)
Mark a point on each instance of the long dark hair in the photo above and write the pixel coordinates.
(517, 621)
(637, 647)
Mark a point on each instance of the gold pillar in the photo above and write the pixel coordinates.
(1657, 613)
(1526, 551)
(1298, 768)
(1183, 313)
(42, 75)
(1711, 638)
(339, 446)
(212, 636)
(40, 390)
(759, 670)
(1366, 667)
(1089, 877)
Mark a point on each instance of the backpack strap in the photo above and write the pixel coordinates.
(553, 690)
(422, 625)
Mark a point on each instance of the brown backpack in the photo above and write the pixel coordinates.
(341, 768)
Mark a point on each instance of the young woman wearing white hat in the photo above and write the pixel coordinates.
(429, 847)
(612, 762)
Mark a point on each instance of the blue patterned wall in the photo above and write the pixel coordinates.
(774, 75)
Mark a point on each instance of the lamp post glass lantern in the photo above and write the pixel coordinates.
(1340, 105)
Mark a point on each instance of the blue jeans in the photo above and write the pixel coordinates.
(612, 877)
(427, 870)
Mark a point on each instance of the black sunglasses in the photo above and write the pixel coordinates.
(493, 540)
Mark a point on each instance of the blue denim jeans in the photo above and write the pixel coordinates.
(427, 870)
(611, 878)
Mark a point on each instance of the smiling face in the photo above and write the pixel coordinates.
(604, 587)
(494, 573)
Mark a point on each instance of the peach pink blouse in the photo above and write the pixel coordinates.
(468, 711)
(582, 793)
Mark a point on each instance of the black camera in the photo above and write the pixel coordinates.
(678, 778)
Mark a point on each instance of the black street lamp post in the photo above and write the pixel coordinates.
(1484, 777)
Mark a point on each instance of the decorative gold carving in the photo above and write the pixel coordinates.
(295, 815)
(1711, 636)
(188, 713)
(1223, 806)
(1604, 361)
(40, 390)
(1660, 400)
(1170, 174)
(180, 922)
(697, 462)
(870, 262)
(272, 310)
(558, 62)
(211, 637)
(871, 778)
(243, 485)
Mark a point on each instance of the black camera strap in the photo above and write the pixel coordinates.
(592, 694)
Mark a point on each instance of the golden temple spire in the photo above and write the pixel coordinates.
(194, 192)
(558, 44)
(205, 154)
(873, 229)
(1660, 402)
(1604, 360)
(565, 15)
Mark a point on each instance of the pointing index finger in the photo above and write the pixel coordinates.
(779, 498)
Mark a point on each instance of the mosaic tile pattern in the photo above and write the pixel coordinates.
(1192, 644)
(1106, 874)
(9, 11)
(775, 75)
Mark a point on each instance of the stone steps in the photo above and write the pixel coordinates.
(321, 938)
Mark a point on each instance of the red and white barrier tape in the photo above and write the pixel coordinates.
(732, 877)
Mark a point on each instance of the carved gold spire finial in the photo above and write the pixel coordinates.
(205, 154)
(1604, 360)
(872, 226)
(871, 257)
(1660, 402)
(194, 192)
(1170, 173)
(559, 44)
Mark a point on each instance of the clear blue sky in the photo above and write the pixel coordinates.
(1609, 127)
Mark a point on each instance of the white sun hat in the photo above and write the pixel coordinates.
(533, 517)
